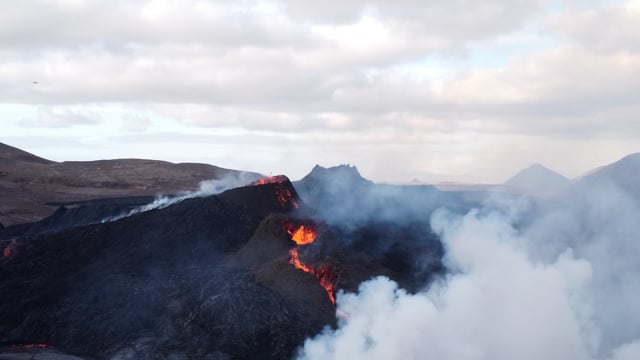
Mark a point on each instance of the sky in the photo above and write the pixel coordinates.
(434, 90)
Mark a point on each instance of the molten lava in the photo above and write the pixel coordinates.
(278, 179)
(283, 195)
(302, 235)
(10, 250)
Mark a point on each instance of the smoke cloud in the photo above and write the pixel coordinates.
(206, 188)
(556, 281)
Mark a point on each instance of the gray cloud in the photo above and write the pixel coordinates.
(61, 117)
(343, 72)
(610, 29)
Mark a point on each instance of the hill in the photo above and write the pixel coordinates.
(623, 173)
(537, 180)
(30, 184)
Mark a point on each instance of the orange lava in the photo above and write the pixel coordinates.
(278, 179)
(302, 235)
(283, 195)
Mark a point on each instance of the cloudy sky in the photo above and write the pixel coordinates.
(428, 89)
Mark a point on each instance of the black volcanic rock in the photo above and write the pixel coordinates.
(265, 199)
(209, 277)
(157, 283)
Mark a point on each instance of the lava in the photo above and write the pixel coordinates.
(283, 195)
(278, 179)
(10, 250)
(302, 235)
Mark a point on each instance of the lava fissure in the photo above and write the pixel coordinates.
(304, 235)
(283, 194)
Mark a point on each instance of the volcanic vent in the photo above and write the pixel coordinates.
(253, 270)
(302, 235)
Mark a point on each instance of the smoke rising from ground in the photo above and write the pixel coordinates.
(557, 282)
(206, 188)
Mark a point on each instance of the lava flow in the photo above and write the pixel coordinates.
(284, 195)
(302, 235)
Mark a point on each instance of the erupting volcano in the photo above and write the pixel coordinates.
(278, 179)
(259, 295)
(283, 194)
(302, 235)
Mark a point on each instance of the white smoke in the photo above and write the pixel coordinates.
(502, 300)
(206, 188)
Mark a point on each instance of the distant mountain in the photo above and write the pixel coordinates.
(28, 183)
(341, 175)
(623, 173)
(341, 195)
(537, 180)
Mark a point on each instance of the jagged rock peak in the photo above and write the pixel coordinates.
(344, 171)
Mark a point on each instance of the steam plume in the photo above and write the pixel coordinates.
(206, 188)
(558, 287)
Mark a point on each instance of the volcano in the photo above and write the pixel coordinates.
(245, 274)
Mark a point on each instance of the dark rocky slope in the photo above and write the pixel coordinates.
(206, 278)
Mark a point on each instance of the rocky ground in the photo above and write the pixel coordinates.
(206, 278)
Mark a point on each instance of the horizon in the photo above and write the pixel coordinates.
(414, 181)
(438, 91)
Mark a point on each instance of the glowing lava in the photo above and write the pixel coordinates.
(10, 250)
(278, 179)
(302, 235)
(283, 195)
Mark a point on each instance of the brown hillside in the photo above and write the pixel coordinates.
(28, 183)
